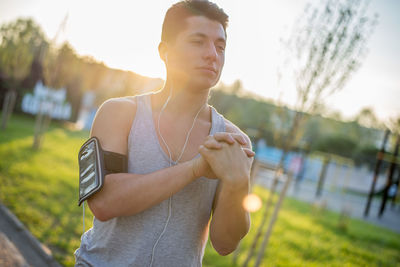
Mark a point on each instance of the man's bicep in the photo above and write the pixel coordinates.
(111, 125)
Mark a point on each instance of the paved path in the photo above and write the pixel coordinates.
(18, 248)
(336, 200)
(9, 254)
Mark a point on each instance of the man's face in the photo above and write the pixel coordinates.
(198, 53)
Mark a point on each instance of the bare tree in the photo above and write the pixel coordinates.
(43, 119)
(20, 43)
(326, 46)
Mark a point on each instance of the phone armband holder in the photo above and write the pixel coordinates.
(94, 165)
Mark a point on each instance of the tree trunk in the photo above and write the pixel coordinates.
(8, 107)
(43, 119)
(282, 195)
(376, 172)
(389, 180)
(263, 221)
(397, 194)
(322, 176)
(254, 169)
(280, 167)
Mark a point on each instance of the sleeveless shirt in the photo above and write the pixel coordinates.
(129, 240)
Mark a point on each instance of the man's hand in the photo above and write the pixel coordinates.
(215, 141)
(200, 165)
(230, 164)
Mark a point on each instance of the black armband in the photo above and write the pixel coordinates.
(94, 165)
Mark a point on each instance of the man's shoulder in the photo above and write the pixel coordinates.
(114, 118)
(119, 104)
(120, 109)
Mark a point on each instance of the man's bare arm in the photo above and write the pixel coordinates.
(126, 194)
(230, 221)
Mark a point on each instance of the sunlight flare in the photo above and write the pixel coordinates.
(252, 203)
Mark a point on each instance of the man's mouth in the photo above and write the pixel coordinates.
(207, 68)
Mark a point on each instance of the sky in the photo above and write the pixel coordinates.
(125, 35)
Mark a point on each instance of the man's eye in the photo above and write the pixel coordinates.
(221, 48)
(196, 41)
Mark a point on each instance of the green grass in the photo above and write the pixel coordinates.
(305, 236)
(40, 187)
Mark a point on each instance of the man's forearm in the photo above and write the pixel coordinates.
(126, 194)
(230, 221)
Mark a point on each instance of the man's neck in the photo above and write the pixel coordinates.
(184, 101)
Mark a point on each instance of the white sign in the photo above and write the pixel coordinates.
(48, 101)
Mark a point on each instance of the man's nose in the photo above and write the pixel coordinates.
(211, 52)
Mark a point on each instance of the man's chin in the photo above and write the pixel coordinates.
(204, 83)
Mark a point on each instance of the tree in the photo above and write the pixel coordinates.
(340, 145)
(367, 118)
(21, 42)
(326, 46)
(43, 119)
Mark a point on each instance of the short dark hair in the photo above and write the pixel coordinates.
(174, 21)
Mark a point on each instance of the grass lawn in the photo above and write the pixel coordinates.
(41, 187)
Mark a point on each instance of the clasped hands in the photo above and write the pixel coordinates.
(225, 156)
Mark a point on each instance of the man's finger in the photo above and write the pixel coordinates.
(203, 149)
(230, 138)
(224, 137)
(240, 139)
(205, 152)
(212, 144)
(250, 153)
(209, 137)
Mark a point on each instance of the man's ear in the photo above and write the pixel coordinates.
(163, 50)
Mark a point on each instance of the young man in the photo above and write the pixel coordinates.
(185, 161)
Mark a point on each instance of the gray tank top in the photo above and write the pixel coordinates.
(129, 240)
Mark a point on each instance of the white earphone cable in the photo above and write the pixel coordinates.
(83, 218)
(170, 164)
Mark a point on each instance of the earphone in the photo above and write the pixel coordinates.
(170, 164)
(170, 158)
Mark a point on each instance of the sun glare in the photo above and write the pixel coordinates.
(252, 203)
